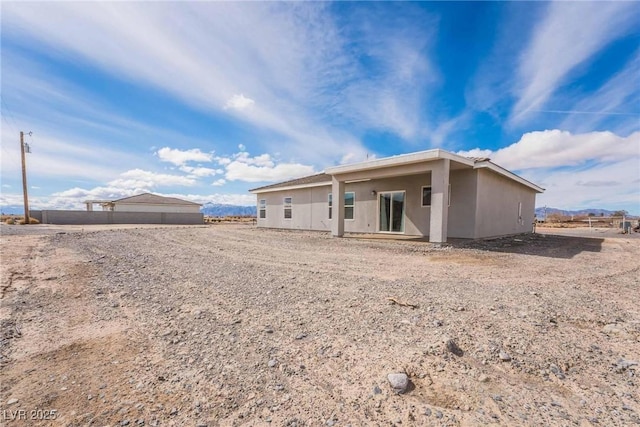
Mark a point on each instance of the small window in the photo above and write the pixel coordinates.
(262, 209)
(287, 208)
(426, 196)
(349, 205)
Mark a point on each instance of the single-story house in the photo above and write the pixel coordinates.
(431, 193)
(146, 202)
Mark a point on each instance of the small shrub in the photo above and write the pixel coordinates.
(10, 221)
(31, 221)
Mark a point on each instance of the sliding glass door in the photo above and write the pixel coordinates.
(391, 211)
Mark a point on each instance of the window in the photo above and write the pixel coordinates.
(349, 205)
(262, 209)
(287, 208)
(426, 196)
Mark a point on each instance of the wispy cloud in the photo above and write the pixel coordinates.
(618, 99)
(55, 156)
(375, 78)
(569, 34)
(239, 102)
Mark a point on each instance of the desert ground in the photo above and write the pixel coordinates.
(234, 325)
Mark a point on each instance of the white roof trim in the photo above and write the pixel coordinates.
(502, 171)
(291, 187)
(403, 159)
(406, 159)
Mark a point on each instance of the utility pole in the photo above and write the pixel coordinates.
(27, 219)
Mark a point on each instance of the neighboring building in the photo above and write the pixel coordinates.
(431, 193)
(146, 202)
(141, 209)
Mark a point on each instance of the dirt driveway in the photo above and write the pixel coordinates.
(233, 325)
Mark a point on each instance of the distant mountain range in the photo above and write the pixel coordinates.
(584, 212)
(220, 210)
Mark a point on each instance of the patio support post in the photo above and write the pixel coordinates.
(337, 222)
(439, 201)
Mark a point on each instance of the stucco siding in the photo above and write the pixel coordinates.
(462, 208)
(310, 209)
(498, 203)
(147, 207)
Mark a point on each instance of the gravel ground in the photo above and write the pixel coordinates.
(233, 325)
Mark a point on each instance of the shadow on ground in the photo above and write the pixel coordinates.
(546, 245)
(538, 244)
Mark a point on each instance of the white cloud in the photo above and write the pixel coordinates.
(238, 102)
(593, 169)
(607, 184)
(569, 34)
(242, 147)
(219, 182)
(475, 152)
(180, 157)
(96, 193)
(222, 161)
(348, 158)
(141, 179)
(248, 173)
(242, 167)
(199, 171)
(555, 148)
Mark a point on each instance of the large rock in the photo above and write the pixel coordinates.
(399, 382)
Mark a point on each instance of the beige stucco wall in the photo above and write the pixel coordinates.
(497, 206)
(145, 207)
(309, 209)
(462, 206)
(310, 206)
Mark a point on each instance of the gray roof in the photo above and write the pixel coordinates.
(305, 180)
(148, 198)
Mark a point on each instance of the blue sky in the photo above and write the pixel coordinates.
(206, 100)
